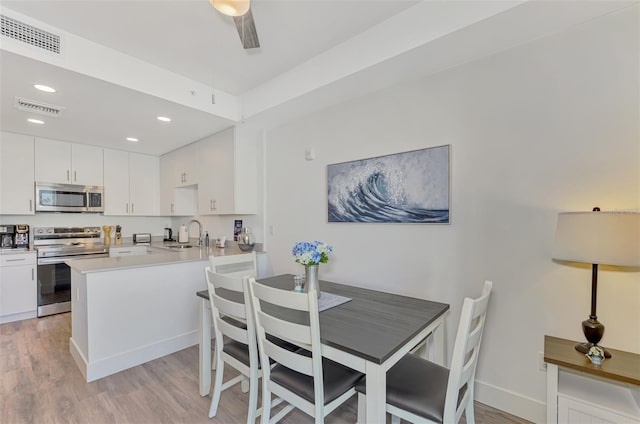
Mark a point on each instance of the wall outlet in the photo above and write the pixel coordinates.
(542, 366)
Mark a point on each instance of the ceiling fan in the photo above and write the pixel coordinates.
(240, 10)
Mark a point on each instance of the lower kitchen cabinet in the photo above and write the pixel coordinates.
(18, 286)
(118, 251)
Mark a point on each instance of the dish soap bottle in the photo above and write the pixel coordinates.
(206, 238)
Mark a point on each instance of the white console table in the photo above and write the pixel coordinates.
(580, 392)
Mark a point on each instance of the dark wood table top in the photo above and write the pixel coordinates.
(373, 325)
(622, 366)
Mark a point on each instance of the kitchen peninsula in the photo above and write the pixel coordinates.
(129, 310)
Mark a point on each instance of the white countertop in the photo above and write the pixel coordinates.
(158, 254)
(16, 251)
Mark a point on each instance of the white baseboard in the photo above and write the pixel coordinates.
(78, 357)
(125, 360)
(511, 402)
(18, 317)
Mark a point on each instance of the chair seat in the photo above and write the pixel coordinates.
(238, 350)
(416, 385)
(337, 379)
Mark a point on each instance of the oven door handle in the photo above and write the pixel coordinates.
(62, 259)
(49, 261)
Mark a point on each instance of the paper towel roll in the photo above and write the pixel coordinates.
(183, 234)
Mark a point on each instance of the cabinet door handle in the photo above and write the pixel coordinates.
(124, 251)
(32, 274)
(172, 208)
(67, 175)
(30, 205)
(74, 177)
(15, 260)
(210, 205)
(132, 205)
(126, 205)
(214, 205)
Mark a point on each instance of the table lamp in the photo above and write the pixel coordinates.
(597, 238)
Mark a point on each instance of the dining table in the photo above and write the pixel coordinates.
(369, 333)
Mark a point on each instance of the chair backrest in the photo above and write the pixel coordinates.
(465, 354)
(229, 297)
(292, 317)
(240, 265)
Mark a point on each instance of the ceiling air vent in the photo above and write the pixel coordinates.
(29, 34)
(38, 107)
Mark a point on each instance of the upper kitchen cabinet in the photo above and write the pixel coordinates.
(182, 168)
(228, 175)
(130, 183)
(16, 174)
(177, 182)
(68, 163)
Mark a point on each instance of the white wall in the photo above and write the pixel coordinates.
(550, 126)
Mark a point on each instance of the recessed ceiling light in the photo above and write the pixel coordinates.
(45, 88)
(164, 119)
(132, 139)
(35, 121)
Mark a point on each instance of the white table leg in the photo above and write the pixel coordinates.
(376, 394)
(552, 393)
(438, 344)
(204, 348)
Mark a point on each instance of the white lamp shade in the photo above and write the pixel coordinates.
(231, 7)
(607, 238)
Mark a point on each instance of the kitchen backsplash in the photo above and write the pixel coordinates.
(130, 224)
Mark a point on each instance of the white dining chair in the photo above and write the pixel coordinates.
(302, 378)
(421, 391)
(231, 318)
(243, 264)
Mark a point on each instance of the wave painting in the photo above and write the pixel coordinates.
(404, 187)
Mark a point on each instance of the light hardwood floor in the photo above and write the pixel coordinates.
(40, 383)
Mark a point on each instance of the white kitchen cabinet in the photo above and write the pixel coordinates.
(144, 184)
(175, 199)
(68, 163)
(182, 166)
(115, 252)
(16, 174)
(18, 286)
(130, 183)
(228, 179)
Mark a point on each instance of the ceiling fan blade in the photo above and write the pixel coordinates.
(247, 30)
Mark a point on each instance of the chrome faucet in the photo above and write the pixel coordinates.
(199, 230)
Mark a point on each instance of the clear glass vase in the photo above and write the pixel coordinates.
(246, 241)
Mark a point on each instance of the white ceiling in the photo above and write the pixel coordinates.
(319, 39)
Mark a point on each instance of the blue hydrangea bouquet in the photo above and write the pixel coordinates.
(311, 253)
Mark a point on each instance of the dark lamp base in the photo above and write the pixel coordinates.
(584, 348)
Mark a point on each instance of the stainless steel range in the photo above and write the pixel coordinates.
(55, 245)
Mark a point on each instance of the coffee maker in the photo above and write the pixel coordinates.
(7, 236)
(21, 240)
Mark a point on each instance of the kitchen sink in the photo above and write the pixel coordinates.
(179, 246)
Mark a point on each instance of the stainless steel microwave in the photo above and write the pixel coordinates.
(69, 198)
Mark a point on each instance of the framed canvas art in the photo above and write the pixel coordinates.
(409, 187)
